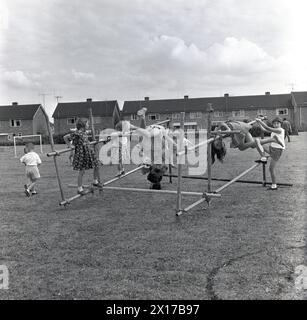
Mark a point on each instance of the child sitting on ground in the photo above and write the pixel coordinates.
(31, 160)
(84, 157)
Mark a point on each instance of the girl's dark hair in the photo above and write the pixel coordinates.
(219, 152)
(119, 126)
(81, 124)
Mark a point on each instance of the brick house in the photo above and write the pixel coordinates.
(21, 120)
(66, 115)
(225, 108)
(299, 102)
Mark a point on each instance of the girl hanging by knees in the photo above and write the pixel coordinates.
(242, 139)
(84, 156)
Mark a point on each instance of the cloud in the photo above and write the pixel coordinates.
(239, 56)
(82, 76)
(17, 79)
(158, 48)
(233, 57)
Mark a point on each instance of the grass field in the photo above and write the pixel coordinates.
(121, 245)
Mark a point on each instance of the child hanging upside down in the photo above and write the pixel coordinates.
(242, 140)
(84, 156)
(153, 148)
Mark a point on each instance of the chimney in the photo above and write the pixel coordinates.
(267, 93)
(146, 98)
(15, 104)
(226, 95)
(89, 100)
(186, 97)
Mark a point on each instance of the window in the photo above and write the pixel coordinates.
(261, 112)
(71, 120)
(190, 127)
(218, 114)
(9, 137)
(97, 120)
(15, 123)
(238, 113)
(19, 134)
(195, 115)
(133, 117)
(282, 112)
(154, 117)
(175, 115)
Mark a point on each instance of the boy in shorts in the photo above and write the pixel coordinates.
(31, 160)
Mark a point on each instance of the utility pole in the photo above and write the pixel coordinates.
(44, 97)
(58, 98)
(292, 84)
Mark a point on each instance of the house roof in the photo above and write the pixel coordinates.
(81, 109)
(229, 103)
(18, 112)
(300, 98)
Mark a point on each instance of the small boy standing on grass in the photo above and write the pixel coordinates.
(31, 160)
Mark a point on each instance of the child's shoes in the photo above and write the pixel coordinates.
(97, 184)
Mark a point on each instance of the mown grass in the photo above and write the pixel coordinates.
(121, 245)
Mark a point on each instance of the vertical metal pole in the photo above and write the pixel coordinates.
(92, 123)
(169, 166)
(41, 144)
(54, 157)
(179, 164)
(15, 151)
(263, 174)
(209, 158)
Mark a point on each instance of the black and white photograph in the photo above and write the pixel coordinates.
(153, 152)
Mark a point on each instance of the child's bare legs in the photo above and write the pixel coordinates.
(31, 184)
(120, 166)
(80, 178)
(249, 142)
(96, 175)
(272, 166)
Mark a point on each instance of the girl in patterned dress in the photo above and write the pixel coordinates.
(84, 156)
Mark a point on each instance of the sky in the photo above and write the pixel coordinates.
(128, 49)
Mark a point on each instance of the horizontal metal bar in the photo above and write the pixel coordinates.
(237, 178)
(123, 176)
(195, 147)
(225, 180)
(193, 205)
(27, 136)
(226, 132)
(112, 180)
(198, 202)
(187, 193)
(162, 122)
(77, 196)
(58, 152)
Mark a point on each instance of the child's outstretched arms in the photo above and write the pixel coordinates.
(267, 128)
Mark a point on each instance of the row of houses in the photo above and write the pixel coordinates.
(17, 120)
